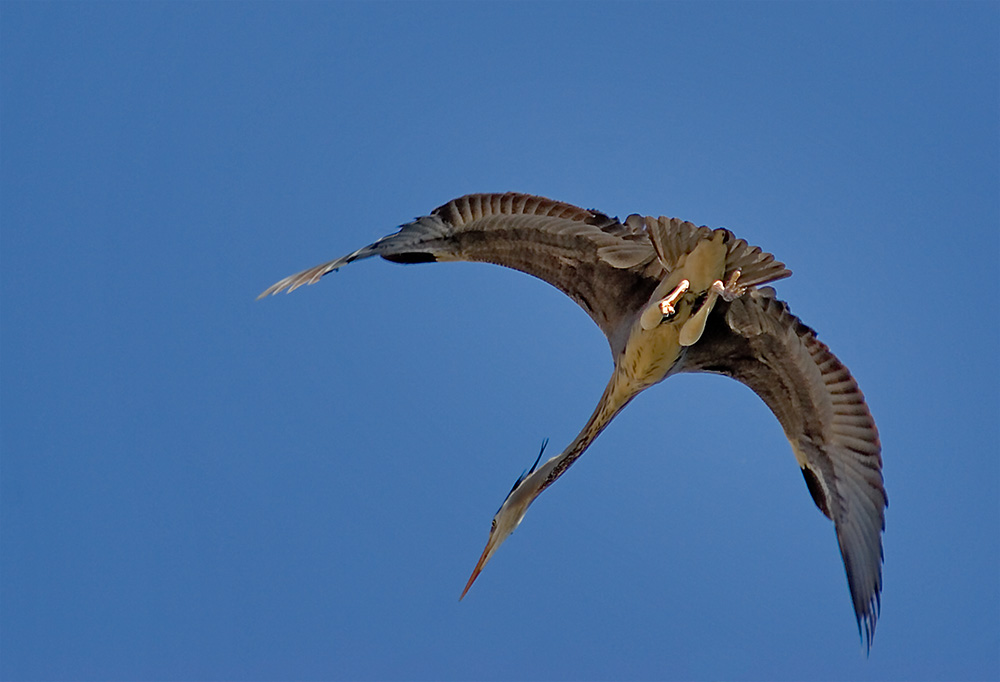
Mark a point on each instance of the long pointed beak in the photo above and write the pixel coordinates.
(487, 553)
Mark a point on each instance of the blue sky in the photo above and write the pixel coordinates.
(198, 485)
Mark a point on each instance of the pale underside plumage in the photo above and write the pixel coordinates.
(611, 268)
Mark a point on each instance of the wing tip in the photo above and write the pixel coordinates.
(293, 282)
(867, 601)
(867, 622)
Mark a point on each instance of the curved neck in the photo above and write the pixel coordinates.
(618, 393)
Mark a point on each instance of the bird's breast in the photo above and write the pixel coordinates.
(650, 354)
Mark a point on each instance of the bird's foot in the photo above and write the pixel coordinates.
(730, 290)
(667, 304)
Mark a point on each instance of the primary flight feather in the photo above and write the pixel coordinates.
(672, 297)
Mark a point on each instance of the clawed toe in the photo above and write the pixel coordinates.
(730, 290)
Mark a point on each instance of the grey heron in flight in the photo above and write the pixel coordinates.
(672, 297)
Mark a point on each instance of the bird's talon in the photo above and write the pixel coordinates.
(667, 304)
(730, 290)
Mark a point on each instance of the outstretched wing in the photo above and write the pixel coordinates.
(606, 266)
(757, 341)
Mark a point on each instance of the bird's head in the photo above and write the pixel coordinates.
(508, 517)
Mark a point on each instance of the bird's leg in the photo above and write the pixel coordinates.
(667, 304)
(695, 326)
(730, 290)
(656, 313)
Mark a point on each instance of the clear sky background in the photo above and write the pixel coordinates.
(198, 485)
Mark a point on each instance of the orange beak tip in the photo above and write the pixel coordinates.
(472, 579)
(475, 571)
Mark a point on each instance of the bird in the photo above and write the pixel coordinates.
(671, 297)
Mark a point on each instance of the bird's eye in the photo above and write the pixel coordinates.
(494, 526)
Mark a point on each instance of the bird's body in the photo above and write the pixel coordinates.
(672, 297)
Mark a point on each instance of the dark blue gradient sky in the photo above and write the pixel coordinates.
(197, 485)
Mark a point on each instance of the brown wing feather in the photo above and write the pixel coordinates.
(756, 340)
(595, 260)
